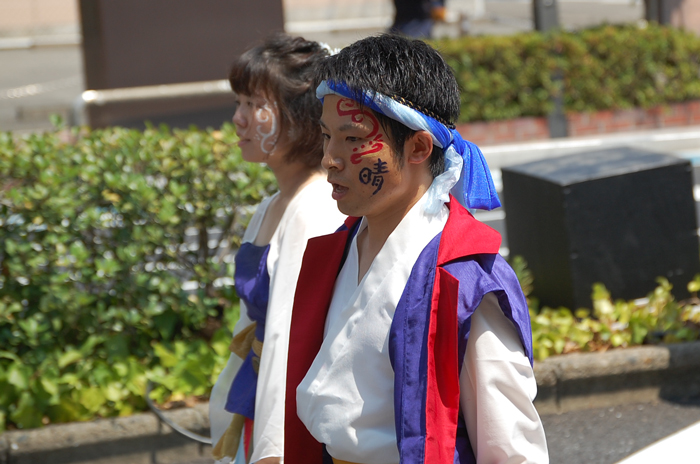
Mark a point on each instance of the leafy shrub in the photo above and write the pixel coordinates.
(658, 318)
(604, 68)
(98, 231)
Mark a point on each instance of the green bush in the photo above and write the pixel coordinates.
(658, 318)
(98, 232)
(604, 68)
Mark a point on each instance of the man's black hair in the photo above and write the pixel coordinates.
(399, 68)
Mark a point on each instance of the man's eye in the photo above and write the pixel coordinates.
(352, 139)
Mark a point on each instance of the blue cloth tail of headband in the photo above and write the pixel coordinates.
(477, 185)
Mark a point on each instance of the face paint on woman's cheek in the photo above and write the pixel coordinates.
(348, 107)
(268, 140)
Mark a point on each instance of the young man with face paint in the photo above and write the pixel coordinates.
(410, 335)
(276, 124)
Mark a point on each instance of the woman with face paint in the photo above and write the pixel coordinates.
(276, 121)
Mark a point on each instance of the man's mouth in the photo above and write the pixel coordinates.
(339, 191)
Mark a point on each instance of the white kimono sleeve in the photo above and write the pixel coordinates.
(497, 389)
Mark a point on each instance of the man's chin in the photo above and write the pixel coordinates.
(348, 210)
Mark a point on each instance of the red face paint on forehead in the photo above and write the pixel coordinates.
(348, 107)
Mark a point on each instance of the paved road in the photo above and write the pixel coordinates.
(607, 435)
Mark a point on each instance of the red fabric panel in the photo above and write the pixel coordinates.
(442, 395)
(247, 436)
(350, 221)
(465, 236)
(319, 270)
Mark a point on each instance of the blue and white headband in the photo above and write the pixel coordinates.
(466, 174)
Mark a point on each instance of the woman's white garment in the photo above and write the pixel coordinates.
(312, 212)
(346, 399)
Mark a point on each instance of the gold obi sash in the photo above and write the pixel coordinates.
(241, 345)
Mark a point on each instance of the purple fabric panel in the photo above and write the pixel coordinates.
(463, 448)
(480, 274)
(252, 282)
(408, 355)
(241, 395)
(490, 273)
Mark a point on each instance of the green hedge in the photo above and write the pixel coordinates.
(98, 231)
(606, 67)
(657, 318)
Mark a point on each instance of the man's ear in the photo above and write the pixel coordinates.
(418, 147)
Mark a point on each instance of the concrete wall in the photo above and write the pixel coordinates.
(33, 16)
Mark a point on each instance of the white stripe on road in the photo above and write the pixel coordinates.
(679, 448)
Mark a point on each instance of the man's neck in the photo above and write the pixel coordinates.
(371, 239)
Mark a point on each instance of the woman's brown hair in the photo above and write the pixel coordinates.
(282, 69)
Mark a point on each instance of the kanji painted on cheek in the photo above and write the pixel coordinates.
(348, 107)
(374, 176)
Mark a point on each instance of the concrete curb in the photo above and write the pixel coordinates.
(139, 439)
(565, 383)
(631, 375)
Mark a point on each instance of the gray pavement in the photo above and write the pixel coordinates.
(607, 435)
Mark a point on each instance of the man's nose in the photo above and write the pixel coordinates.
(330, 157)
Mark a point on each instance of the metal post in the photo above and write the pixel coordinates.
(651, 10)
(556, 119)
(546, 14)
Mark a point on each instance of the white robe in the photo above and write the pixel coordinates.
(312, 212)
